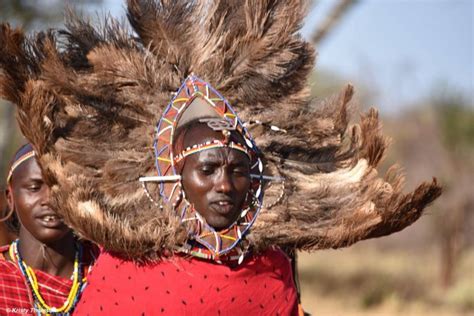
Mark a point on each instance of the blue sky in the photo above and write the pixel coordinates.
(402, 49)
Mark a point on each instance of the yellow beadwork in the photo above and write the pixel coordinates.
(35, 286)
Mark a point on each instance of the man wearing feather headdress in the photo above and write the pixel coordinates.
(188, 148)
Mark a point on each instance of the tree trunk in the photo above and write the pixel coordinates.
(451, 246)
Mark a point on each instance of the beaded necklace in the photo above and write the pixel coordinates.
(30, 277)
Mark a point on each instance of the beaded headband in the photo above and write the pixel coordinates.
(18, 162)
(196, 99)
(26, 156)
(209, 145)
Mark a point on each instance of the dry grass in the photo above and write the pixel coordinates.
(364, 280)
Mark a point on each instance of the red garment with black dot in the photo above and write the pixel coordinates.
(261, 285)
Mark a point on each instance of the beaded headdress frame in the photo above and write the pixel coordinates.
(199, 97)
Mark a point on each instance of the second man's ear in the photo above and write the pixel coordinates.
(9, 198)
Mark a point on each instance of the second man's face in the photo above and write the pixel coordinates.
(29, 197)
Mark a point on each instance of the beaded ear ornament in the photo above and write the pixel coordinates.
(196, 99)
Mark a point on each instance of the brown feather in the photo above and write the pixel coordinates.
(89, 97)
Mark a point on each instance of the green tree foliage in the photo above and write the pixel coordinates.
(456, 119)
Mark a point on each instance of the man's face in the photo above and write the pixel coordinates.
(29, 196)
(215, 181)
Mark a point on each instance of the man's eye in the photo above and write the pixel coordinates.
(241, 172)
(34, 188)
(207, 170)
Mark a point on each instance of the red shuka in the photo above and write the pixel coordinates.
(261, 285)
(16, 297)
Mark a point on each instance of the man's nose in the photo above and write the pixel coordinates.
(46, 196)
(224, 182)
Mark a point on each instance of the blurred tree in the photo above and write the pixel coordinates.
(335, 16)
(438, 138)
(456, 121)
(27, 13)
(30, 15)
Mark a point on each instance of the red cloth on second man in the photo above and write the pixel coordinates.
(15, 295)
(261, 285)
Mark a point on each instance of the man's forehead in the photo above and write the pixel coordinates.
(218, 155)
(200, 133)
(27, 170)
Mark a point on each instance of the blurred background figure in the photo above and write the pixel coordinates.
(414, 61)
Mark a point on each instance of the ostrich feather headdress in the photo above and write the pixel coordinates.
(89, 99)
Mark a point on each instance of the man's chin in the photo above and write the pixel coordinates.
(51, 236)
(221, 224)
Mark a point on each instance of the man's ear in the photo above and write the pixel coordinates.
(9, 198)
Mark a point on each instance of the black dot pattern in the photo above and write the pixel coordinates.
(180, 286)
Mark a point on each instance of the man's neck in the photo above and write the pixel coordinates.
(55, 258)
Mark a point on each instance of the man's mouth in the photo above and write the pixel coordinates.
(51, 221)
(223, 207)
